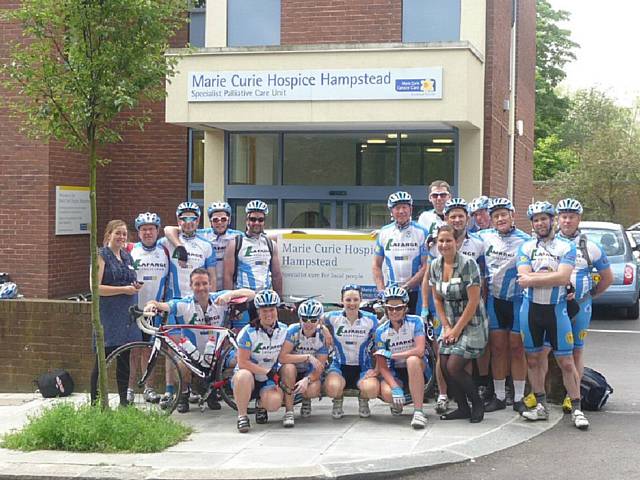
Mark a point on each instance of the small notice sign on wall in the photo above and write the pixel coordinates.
(73, 211)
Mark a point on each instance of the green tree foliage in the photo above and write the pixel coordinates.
(551, 158)
(80, 66)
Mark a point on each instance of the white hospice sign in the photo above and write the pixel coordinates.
(295, 85)
(318, 264)
(73, 210)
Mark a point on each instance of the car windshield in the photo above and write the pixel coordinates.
(611, 241)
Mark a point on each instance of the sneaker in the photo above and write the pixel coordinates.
(243, 424)
(519, 406)
(530, 400)
(305, 408)
(538, 413)
(150, 395)
(566, 405)
(165, 401)
(130, 395)
(442, 404)
(288, 420)
(183, 403)
(419, 421)
(337, 412)
(579, 420)
(395, 410)
(261, 416)
(363, 408)
(495, 404)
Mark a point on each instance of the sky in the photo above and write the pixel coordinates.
(609, 36)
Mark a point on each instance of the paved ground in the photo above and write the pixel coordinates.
(318, 447)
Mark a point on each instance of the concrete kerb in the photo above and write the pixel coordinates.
(235, 457)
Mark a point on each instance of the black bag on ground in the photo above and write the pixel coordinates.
(57, 383)
(594, 390)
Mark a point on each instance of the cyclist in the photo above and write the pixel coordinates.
(353, 332)
(202, 307)
(196, 252)
(439, 193)
(456, 282)
(219, 234)
(545, 264)
(589, 258)
(400, 253)
(151, 264)
(259, 345)
(303, 357)
(504, 298)
(399, 350)
(479, 211)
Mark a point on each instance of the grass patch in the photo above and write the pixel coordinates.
(89, 429)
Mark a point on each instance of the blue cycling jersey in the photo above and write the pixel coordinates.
(581, 276)
(264, 347)
(303, 345)
(401, 340)
(200, 254)
(404, 251)
(352, 341)
(219, 242)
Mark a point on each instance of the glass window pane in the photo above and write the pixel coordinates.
(197, 156)
(430, 20)
(197, 27)
(253, 22)
(339, 159)
(367, 215)
(253, 159)
(307, 214)
(425, 157)
(239, 218)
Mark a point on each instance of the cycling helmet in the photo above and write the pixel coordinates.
(455, 203)
(257, 206)
(498, 203)
(8, 290)
(569, 205)
(351, 287)
(310, 309)
(266, 298)
(219, 207)
(147, 218)
(395, 292)
(540, 207)
(479, 203)
(188, 207)
(399, 198)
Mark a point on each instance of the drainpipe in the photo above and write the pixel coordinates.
(512, 100)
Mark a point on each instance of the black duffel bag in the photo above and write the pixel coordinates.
(594, 390)
(57, 383)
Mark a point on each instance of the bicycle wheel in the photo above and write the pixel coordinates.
(149, 378)
(223, 374)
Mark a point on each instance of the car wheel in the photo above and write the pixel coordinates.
(633, 312)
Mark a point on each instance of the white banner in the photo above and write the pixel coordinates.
(322, 264)
(289, 85)
(73, 210)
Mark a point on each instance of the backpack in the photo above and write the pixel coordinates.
(57, 383)
(594, 390)
(237, 252)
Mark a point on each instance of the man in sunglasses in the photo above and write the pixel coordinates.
(439, 193)
(195, 252)
(219, 234)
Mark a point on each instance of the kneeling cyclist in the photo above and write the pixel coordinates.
(259, 345)
(303, 357)
(400, 345)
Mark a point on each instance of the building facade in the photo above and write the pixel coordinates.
(321, 108)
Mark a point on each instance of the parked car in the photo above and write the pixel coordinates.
(634, 238)
(625, 289)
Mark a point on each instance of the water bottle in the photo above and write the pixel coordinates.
(209, 351)
(190, 349)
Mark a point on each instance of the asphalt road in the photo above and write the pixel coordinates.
(610, 449)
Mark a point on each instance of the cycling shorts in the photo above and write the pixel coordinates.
(581, 321)
(504, 314)
(259, 387)
(546, 322)
(352, 374)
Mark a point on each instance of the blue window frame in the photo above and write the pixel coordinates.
(430, 20)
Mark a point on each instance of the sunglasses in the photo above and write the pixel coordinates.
(351, 286)
(189, 219)
(309, 319)
(219, 220)
(397, 308)
(440, 195)
(256, 219)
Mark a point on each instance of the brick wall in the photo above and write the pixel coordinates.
(340, 21)
(39, 335)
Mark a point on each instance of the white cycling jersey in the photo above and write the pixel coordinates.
(264, 348)
(431, 220)
(152, 268)
(403, 250)
(352, 342)
(547, 256)
(200, 254)
(186, 311)
(303, 345)
(254, 263)
(500, 256)
(581, 276)
(219, 243)
(399, 341)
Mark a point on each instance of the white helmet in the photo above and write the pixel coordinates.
(569, 205)
(8, 290)
(219, 207)
(398, 198)
(147, 218)
(257, 206)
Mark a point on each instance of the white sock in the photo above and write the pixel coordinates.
(498, 387)
(518, 389)
(443, 396)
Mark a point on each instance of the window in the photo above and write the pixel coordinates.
(253, 159)
(196, 166)
(253, 22)
(430, 20)
(425, 157)
(197, 20)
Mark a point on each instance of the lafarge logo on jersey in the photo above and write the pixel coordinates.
(499, 253)
(148, 265)
(263, 349)
(250, 251)
(352, 333)
(400, 245)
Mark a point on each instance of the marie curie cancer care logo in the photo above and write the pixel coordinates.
(417, 85)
